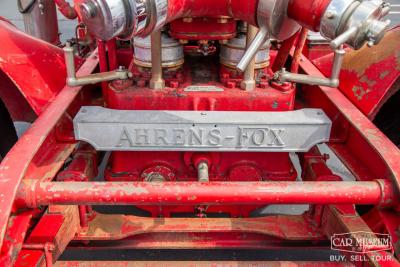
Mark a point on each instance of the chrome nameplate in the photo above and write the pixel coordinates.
(203, 88)
(118, 130)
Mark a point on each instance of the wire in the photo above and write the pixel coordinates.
(25, 9)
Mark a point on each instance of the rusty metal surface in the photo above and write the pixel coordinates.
(114, 227)
(36, 193)
(368, 74)
(55, 230)
(363, 148)
(26, 60)
(14, 166)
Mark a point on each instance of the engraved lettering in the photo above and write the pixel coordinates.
(125, 137)
(142, 135)
(161, 136)
(242, 136)
(277, 138)
(215, 137)
(179, 136)
(195, 136)
(258, 137)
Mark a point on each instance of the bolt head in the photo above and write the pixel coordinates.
(248, 85)
(330, 15)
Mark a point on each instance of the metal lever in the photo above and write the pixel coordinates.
(251, 52)
(333, 81)
(72, 80)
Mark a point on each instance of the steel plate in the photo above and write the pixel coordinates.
(124, 130)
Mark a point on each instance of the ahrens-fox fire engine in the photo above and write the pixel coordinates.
(172, 125)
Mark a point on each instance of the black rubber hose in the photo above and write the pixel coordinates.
(27, 8)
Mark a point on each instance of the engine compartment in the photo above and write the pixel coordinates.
(201, 83)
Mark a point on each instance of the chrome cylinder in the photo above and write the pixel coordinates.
(356, 22)
(171, 51)
(233, 51)
(107, 19)
(40, 19)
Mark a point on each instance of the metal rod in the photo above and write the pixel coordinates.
(343, 38)
(70, 61)
(253, 48)
(33, 194)
(156, 81)
(249, 82)
(298, 52)
(283, 52)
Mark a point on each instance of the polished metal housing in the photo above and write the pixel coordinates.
(273, 22)
(107, 19)
(334, 15)
(171, 51)
(356, 22)
(135, 130)
(272, 15)
(233, 51)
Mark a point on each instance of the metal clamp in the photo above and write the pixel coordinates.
(72, 80)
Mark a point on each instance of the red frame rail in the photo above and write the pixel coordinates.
(35, 193)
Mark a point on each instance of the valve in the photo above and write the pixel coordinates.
(346, 22)
(355, 22)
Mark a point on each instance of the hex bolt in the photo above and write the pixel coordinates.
(202, 170)
(155, 178)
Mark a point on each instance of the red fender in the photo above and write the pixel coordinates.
(369, 75)
(35, 67)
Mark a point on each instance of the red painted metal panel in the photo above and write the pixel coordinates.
(368, 75)
(15, 164)
(37, 68)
